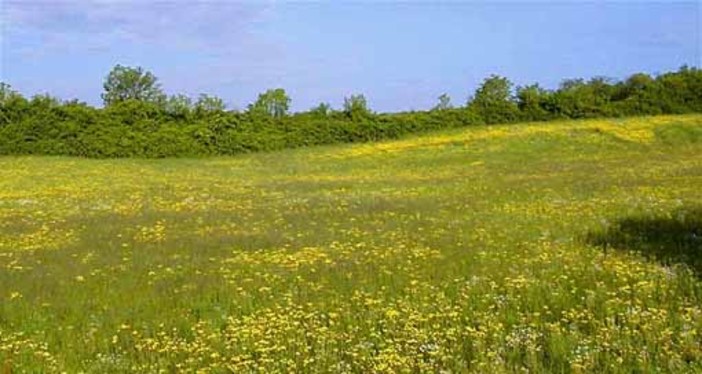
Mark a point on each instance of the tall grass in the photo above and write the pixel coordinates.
(537, 248)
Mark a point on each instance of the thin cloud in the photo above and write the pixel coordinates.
(197, 46)
(205, 26)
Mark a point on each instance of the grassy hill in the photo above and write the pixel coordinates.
(554, 247)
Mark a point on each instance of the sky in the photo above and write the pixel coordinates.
(400, 55)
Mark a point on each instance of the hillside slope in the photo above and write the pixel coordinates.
(552, 247)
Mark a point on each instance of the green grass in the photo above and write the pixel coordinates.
(553, 247)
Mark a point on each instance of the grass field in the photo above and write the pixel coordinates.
(552, 247)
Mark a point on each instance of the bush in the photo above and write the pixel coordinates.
(151, 128)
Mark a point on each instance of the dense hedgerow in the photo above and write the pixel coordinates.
(176, 127)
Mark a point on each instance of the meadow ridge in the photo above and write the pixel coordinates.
(571, 246)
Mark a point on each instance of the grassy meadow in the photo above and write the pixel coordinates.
(547, 247)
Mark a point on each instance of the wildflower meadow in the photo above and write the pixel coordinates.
(565, 247)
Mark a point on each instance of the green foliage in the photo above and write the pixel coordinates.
(321, 110)
(208, 106)
(681, 92)
(273, 103)
(356, 107)
(578, 99)
(140, 121)
(493, 101)
(532, 101)
(126, 83)
(639, 94)
(13, 106)
(179, 107)
(444, 102)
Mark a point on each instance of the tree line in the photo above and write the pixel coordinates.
(139, 120)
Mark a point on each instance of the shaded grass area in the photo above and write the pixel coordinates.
(675, 238)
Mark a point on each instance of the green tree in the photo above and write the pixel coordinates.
(356, 107)
(638, 94)
(179, 106)
(13, 106)
(444, 102)
(636, 85)
(531, 101)
(321, 110)
(680, 92)
(579, 99)
(127, 83)
(494, 90)
(207, 104)
(274, 103)
(45, 101)
(6, 93)
(493, 100)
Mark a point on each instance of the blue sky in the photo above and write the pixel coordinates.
(401, 55)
